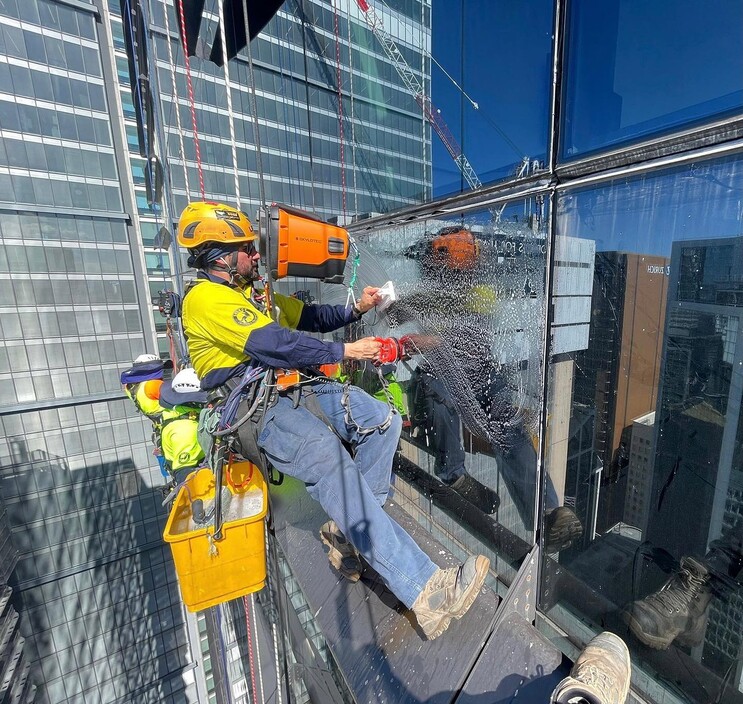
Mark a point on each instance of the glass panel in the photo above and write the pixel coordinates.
(645, 433)
(500, 118)
(619, 89)
(470, 303)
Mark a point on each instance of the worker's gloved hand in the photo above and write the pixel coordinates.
(369, 298)
(367, 348)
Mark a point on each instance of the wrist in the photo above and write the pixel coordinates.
(357, 312)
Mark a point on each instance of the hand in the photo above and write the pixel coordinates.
(369, 298)
(365, 348)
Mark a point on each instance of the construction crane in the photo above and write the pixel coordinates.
(430, 112)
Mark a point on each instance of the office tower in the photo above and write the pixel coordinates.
(99, 605)
(699, 432)
(698, 423)
(617, 375)
(640, 462)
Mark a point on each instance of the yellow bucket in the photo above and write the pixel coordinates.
(238, 565)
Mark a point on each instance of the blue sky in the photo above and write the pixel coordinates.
(504, 66)
(633, 67)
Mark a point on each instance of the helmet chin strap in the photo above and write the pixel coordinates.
(230, 266)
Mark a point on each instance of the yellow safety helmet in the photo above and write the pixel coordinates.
(206, 221)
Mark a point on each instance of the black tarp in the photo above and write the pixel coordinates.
(139, 79)
(259, 13)
(193, 11)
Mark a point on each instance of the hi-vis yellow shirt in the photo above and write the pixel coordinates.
(217, 321)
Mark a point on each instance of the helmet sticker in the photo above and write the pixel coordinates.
(226, 214)
(244, 316)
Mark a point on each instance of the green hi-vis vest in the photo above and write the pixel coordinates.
(149, 407)
(395, 391)
(180, 444)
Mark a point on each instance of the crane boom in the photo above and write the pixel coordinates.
(430, 112)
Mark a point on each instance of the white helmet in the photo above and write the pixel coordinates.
(186, 381)
(146, 358)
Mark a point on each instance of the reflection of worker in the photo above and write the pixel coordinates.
(181, 398)
(434, 411)
(142, 382)
(678, 610)
(461, 315)
(228, 330)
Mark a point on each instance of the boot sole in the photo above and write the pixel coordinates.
(336, 557)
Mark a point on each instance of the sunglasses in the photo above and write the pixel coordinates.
(249, 249)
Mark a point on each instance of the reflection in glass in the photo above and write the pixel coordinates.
(636, 69)
(469, 311)
(654, 440)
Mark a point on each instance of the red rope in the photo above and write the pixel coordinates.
(250, 649)
(340, 103)
(231, 481)
(187, 63)
(171, 346)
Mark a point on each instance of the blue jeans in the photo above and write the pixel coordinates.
(352, 490)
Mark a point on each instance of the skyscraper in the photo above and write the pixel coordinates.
(99, 605)
(617, 375)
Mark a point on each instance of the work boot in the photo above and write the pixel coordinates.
(477, 494)
(561, 527)
(677, 610)
(600, 675)
(449, 594)
(342, 555)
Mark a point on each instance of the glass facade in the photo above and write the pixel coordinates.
(99, 608)
(471, 296)
(624, 364)
(491, 81)
(576, 364)
(635, 72)
(100, 611)
(655, 419)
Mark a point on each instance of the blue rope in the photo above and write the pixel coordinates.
(229, 409)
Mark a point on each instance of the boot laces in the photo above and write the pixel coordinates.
(599, 678)
(680, 590)
(441, 578)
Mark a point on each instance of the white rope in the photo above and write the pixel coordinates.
(176, 103)
(353, 118)
(257, 647)
(274, 630)
(230, 114)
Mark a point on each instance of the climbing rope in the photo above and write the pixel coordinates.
(338, 79)
(353, 116)
(257, 647)
(251, 662)
(191, 101)
(228, 88)
(351, 296)
(179, 126)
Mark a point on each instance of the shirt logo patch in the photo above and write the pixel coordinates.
(244, 316)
